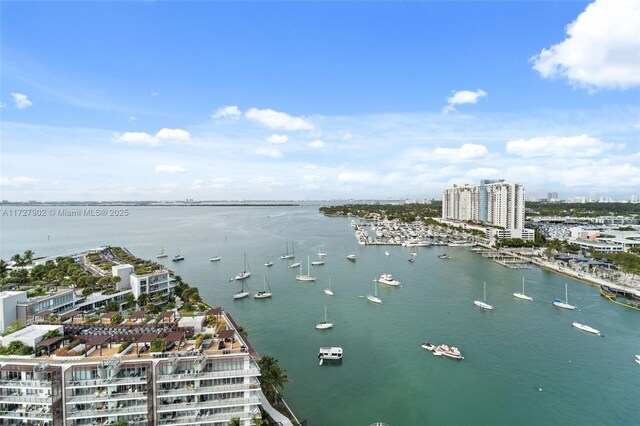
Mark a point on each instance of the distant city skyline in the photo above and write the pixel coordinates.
(107, 101)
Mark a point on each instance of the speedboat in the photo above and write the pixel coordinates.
(386, 253)
(351, 257)
(448, 351)
(411, 259)
(428, 346)
(444, 256)
(177, 258)
(388, 280)
(585, 328)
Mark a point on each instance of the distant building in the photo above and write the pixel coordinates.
(493, 202)
(552, 197)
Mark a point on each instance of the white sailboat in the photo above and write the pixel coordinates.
(523, 296)
(245, 273)
(323, 325)
(328, 291)
(214, 259)
(307, 277)
(373, 298)
(242, 293)
(288, 255)
(264, 293)
(482, 303)
(294, 265)
(564, 304)
(161, 254)
(586, 328)
(321, 252)
(318, 262)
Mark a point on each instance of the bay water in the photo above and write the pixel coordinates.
(524, 364)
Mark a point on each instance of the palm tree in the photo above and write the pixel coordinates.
(17, 259)
(259, 421)
(27, 257)
(235, 421)
(272, 377)
(4, 267)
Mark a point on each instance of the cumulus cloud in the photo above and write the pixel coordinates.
(602, 48)
(467, 151)
(463, 97)
(170, 168)
(269, 152)
(317, 144)
(175, 134)
(357, 177)
(230, 111)
(278, 120)
(18, 181)
(21, 100)
(554, 146)
(278, 139)
(136, 138)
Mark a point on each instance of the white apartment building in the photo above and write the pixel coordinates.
(493, 202)
(8, 302)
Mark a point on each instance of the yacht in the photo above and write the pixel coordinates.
(333, 353)
(564, 304)
(307, 277)
(523, 296)
(351, 257)
(177, 258)
(294, 265)
(373, 298)
(448, 351)
(586, 328)
(444, 256)
(388, 280)
(482, 303)
(268, 264)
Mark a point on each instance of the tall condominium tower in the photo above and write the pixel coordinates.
(493, 202)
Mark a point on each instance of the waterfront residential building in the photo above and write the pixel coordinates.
(494, 202)
(96, 383)
(59, 300)
(151, 282)
(8, 302)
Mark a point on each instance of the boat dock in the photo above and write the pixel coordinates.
(506, 259)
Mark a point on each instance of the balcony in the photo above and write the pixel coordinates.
(169, 378)
(186, 391)
(25, 384)
(106, 382)
(104, 412)
(205, 418)
(171, 407)
(39, 415)
(105, 397)
(18, 398)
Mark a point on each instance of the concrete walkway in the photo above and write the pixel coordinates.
(277, 416)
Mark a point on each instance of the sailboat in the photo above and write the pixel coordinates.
(373, 298)
(564, 304)
(482, 303)
(323, 325)
(321, 252)
(162, 253)
(318, 262)
(178, 257)
(214, 259)
(288, 255)
(245, 273)
(328, 291)
(351, 257)
(307, 277)
(264, 293)
(242, 293)
(523, 296)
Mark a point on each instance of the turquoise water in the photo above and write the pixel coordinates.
(509, 353)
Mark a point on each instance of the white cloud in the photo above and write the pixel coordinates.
(266, 181)
(170, 168)
(132, 118)
(136, 138)
(230, 111)
(553, 146)
(278, 120)
(467, 151)
(278, 139)
(357, 177)
(483, 173)
(317, 144)
(21, 100)
(269, 152)
(463, 97)
(175, 134)
(18, 181)
(601, 49)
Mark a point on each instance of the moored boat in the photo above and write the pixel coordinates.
(373, 298)
(387, 279)
(448, 351)
(523, 296)
(214, 259)
(586, 328)
(351, 257)
(564, 304)
(268, 264)
(428, 346)
(333, 353)
(483, 303)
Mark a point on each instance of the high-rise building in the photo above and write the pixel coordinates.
(493, 202)
(552, 197)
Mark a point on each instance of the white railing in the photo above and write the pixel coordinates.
(104, 398)
(230, 402)
(24, 384)
(77, 414)
(206, 389)
(208, 375)
(24, 399)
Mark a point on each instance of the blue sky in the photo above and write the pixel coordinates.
(316, 100)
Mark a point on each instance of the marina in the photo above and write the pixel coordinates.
(434, 302)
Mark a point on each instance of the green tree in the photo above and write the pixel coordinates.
(112, 305)
(235, 421)
(27, 257)
(116, 319)
(4, 268)
(259, 421)
(272, 377)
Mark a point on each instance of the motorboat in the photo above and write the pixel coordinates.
(177, 258)
(214, 259)
(448, 351)
(428, 346)
(333, 353)
(351, 257)
(387, 279)
(294, 265)
(482, 303)
(586, 328)
(523, 296)
(444, 256)
(324, 325)
(268, 264)
(411, 260)
(564, 304)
